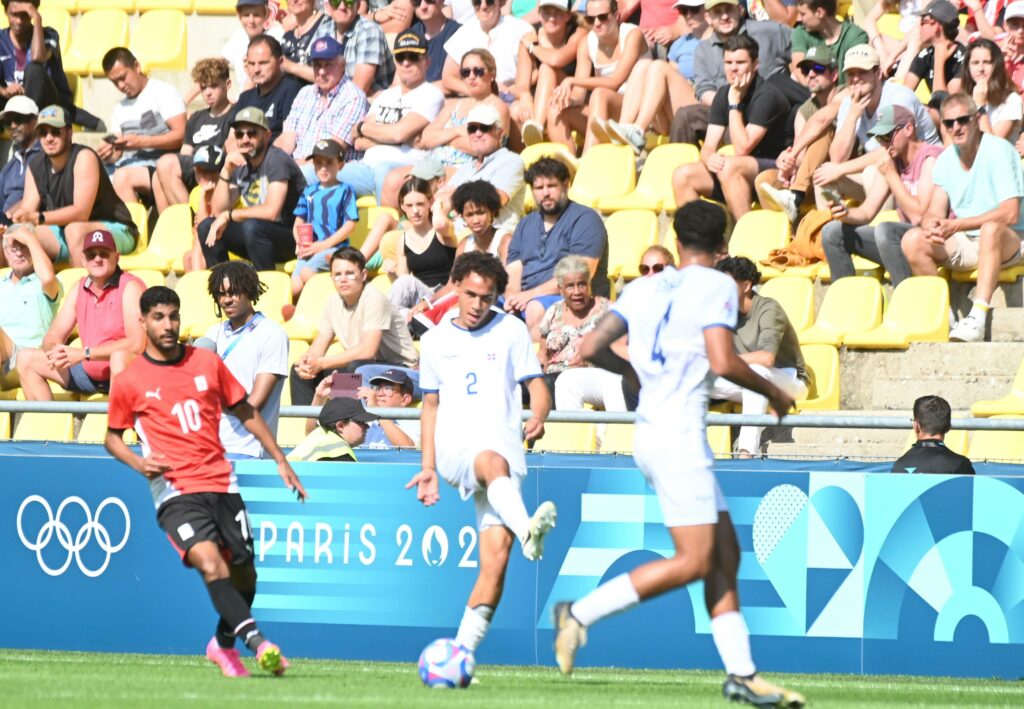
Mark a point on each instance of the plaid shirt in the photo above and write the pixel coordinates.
(346, 106)
(365, 43)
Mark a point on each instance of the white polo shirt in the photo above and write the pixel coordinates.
(503, 42)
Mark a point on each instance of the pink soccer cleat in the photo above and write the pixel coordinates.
(228, 660)
(270, 658)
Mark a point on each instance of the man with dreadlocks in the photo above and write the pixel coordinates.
(253, 347)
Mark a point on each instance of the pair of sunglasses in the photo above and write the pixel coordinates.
(477, 71)
(656, 268)
(958, 121)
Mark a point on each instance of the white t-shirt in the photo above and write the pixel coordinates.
(503, 42)
(235, 50)
(462, 10)
(146, 114)
(260, 347)
(1012, 109)
(892, 94)
(390, 107)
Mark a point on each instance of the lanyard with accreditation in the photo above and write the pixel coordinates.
(241, 332)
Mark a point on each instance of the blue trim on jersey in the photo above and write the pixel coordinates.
(620, 316)
(529, 377)
(429, 391)
(730, 328)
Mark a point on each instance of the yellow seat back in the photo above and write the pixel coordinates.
(795, 295)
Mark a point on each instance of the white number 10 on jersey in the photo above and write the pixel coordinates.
(188, 415)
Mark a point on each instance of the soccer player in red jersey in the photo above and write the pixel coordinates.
(173, 396)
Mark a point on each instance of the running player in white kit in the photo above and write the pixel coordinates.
(471, 366)
(680, 325)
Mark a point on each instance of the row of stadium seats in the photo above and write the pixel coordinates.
(159, 38)
(200, 7)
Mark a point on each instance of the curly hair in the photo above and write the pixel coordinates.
(482, 264)
(211, 71)
(242, 277)
(740, 268)
(478, 192)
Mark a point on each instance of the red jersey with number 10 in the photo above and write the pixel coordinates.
(175, 407)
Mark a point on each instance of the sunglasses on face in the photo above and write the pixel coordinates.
(410, 57)
(593, 19)
(247, 133)
(338, 3)
(959, 121)
(18, 119)
(806, 69)
(48, 130)
(887, 138)
(477, 71)
(417, 3)
(472, 128)
(478, 3)
(656, 268)
(690, 10)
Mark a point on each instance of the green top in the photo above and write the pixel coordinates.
(767, 329)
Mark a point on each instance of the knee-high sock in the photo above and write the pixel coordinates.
(474, 626)
(235, 612)
(613, 596)
(733, 642)
(507, 501)
(225, 631)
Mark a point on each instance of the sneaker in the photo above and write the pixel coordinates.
(542, 522)
(759, 692)
(969, 329)
(599, 127)
(227, 659)
(270, 658)
(779, 200)
(627, 134)
(532, 132)
(570, 636)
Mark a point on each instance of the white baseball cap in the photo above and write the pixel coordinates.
(1014, 9)
(23, 106)
(697, 3)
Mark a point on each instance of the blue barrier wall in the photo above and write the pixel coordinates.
(842, 570)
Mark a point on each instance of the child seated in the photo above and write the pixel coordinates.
(206, 164)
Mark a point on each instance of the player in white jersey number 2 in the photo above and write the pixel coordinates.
(680, 325)
(470, 370)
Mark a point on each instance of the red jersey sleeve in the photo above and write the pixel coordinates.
(121, 408)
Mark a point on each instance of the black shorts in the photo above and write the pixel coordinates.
(188, 173)
(218, 517)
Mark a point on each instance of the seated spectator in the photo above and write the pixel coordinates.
(941, 58)
(104, 306)
(819, 27)
(392, 129)
(1013, 44)
(330, 108)
(782, 11)
(19, 118)
(256, 19)
(766, 341)
(437, 28)
(892, 51)
(174, 178)
(328, 209)
(69, 196)
(929, 454)
(309, 22)
(206, 166)
(29, 294)
(985, 80)
(391, 389)
(906, 166)
(268, 183)
(343, 423)
(979, 179)
(260, 365)
(362, 319)
(572, 380)
(655, 260)
(368, 62)
(557, 228)
(31, 65)
(273, 91)
(393, 16)
(755, 114)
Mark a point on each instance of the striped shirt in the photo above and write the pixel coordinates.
(327, 208)
(312, 120)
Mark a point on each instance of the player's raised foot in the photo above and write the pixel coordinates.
(570, 636)
(760, 692)
(227, 659)
(542, 522)
(270, 658)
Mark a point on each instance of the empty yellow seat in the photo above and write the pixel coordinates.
(197, 306)
(822, 361)
(69, 6)
(654, 187)
(160, 40)
(618, 438)
(306, 321)
(141, 218)
(96, 33)
(367, 218)
(150, 277)
(918, 312)
(889, 25)
(126, 6)
(852, 305)
(604, 171)
(568, 438)
(69, 278)
(758, 232)
(1012, 403)
(184, 6)
(795, 295)
(5, 425)
(172, 237)
(279, 294)
(955, 440)
(720, 441)
(997, 445)
(290, 430)
(214, 7)
(94, 430)
(45, 427)
(630, 233)
(57, 17)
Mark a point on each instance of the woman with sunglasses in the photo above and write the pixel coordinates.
(985, 80)
(655, 260)
(307, 23)
(603, 63)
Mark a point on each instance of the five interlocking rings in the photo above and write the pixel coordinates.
(54, 526)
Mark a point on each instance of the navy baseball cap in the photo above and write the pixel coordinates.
(395, 376)
(326, 48)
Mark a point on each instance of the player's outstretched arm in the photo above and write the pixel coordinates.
(726, 363)
(540, 406)
(425, 481)
(596, 347)
(150, 467)
(255, 425)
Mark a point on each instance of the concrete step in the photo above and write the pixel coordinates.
(1007, 325)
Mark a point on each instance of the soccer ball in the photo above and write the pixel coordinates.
(444, 664)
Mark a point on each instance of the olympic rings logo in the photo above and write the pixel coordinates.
(55, 527)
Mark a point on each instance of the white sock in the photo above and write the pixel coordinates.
(474, 626)
(507, 501)
(613, 596)
(733, 642)
(979, 310)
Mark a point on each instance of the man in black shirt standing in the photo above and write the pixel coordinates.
(929, 454)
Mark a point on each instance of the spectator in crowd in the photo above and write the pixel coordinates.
(979, 179)
(393, 16)
(941, 59)
(572, 380)
(104, 306)
(29, 294)
(604, 62)
(206, 166)
(147, 123)
(437, 28)
(330, 108)
(343, 423)
(766, 341)
(985, 80)
(309, 22)
(19, 118)
(328, 208)
(362, 319)
(392, 129)
(819, 27)
(253, 347)
(69, 196)
(500, 34)
(256, 19)
(929, 453)
(1013, 44)
(754, 113)
(31, 65)
(391, 389)
(782, 11)
(175, 178)
(368, 62)
(273, 91)
(906, 166)
(557, 228)
(268, 183)
(655, 260)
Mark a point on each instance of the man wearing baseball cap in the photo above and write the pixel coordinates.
(941, 59)
(437, 28)
(1013, 48)
(819, 28)
(368, 60)
(391, 389)
(19, 118)
(343, 423)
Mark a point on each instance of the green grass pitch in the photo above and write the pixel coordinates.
(67, 679)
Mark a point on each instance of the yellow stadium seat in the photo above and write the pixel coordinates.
(126, 6)
(390, 244)
(630, 233)
(97, 31)
(1011, 404)
(795, 295)
(150, 277)
(822, 361)
(296, 348)
(141, 218)
(214, 7)
(918, 312)
(861, 267)
(568, 438)
(604, 171)
(366, 222)
(306, 320)
(290, 430)
(654, 187)
(69, 6)
(923, 93)
(852, 305)
(382, 283)
(1006, 275)
(997, 445)
(889, 25)
(618, 438)
(5, 425)
(184, 6)
(197, 307)
(94, 430)
(720, 441)
(160, 40)
(757, 233)
(59, 19)
(279, 294)
(69, 277)
(172, 237)
(45, 427)
(955, 440)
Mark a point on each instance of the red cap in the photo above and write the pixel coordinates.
(99, 239)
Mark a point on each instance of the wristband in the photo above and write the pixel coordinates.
(42, 217)
(982, 110)
(225, 179)
(88, 354)
(735, 107)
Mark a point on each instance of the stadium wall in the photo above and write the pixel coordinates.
(845, 569)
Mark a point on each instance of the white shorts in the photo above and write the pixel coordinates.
(457, 470)
(678, 467)
(964, 250)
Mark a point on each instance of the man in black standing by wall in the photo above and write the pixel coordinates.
(929, 454)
